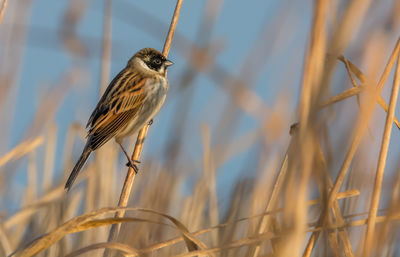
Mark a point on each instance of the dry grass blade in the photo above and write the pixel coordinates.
(3, 9)
(362, 222)
(388, 227)
(310, 90)
(223, 153)
(52, 99)
(313, 64)
(356, 90)
(106, 48)
(264, 222)
(21, 149)
(361, 125)
(5, 241)
(368, 244)
(341, 96)
(384, 106)
(353, 81)
(108, 221)
(266, 236)
(126, 249)
(351, 68)
(234, 244)
(69, 28)
(90, 220)
(191, 242)
(341, 195)
(26, 212)
(336, 212)
(249, 241)
(51, 143)
(209, 175)
(47, 240)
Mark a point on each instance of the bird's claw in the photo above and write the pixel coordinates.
(131, 164)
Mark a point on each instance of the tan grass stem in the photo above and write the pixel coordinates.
(313, 64)
(342, 195)
(360, 127)
(336, 212)
(130, 177)
(21, 149)
(310, 89)
(51, 144)
(382, 163)
(3, 9)
(106, 48)
(273, 200)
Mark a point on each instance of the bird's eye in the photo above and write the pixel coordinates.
(157, 61)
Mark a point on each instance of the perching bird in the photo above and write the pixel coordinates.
(130, 101)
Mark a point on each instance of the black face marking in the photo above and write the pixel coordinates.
(155, 61)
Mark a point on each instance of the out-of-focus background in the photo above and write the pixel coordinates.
(214, 153)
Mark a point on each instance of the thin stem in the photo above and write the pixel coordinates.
(172, 27)
(336, 212)
(361, 125)
(106, 48)
(381, 163)
(130, 177)
(310, 89)
(3, 9)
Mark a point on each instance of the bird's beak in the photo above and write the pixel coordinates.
(168, 63)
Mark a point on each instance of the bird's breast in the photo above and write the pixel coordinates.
(156, 97)
(156, 91)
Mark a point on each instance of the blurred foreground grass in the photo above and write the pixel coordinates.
(319, 196)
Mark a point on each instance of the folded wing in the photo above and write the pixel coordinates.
(119, 105)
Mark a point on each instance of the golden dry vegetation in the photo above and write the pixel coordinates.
(330, 187)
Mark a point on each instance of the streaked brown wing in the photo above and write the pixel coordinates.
(102, 105)
(127, 94)
(110, 128)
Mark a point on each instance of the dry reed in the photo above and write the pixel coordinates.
(315, 192)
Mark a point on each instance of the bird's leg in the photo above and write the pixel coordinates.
(130, 163)
(150, 122)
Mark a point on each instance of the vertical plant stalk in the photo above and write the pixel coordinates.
(347, 249)
(310, 89)
(51, 144)
(361, 125)
(104, 166)
(313, 65)
(272, 202)
(130, 176)
(106, 48)
(3, 9)
(381, 163)
(209, 176)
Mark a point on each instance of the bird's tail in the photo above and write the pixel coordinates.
(78, 166)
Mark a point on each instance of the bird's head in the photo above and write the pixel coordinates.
(150, 60)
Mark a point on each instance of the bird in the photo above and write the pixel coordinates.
(130, 101)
